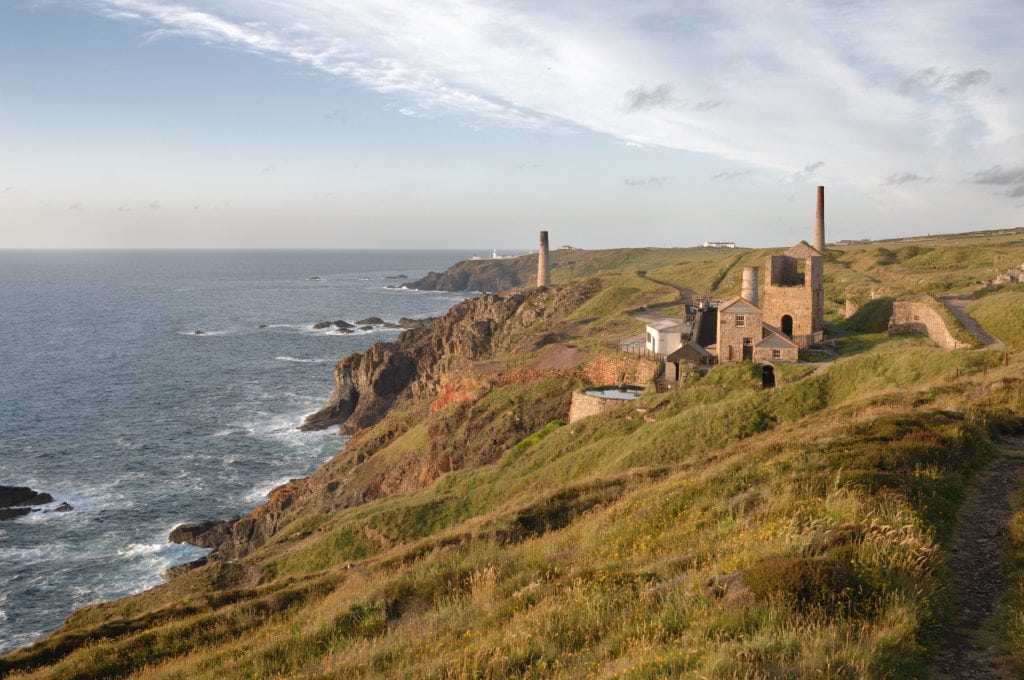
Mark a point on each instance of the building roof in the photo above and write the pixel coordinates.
(803, 249)
(776, 341)
(739, 305)
(690, 350)
(667, 325)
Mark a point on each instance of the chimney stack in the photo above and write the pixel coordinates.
(748, 291)
(543, 270)
(819, 222)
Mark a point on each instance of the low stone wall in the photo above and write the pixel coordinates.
(918, 317)
(586, 405)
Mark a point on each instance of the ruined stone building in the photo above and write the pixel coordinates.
(790, 312)
(794, 294)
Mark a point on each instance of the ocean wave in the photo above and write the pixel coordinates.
(140, 549)
(297, 360)
(259, 493)
(203, 333)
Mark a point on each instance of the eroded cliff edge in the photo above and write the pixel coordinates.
(446, 361)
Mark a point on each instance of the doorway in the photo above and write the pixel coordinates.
(787, 326)
(767, 376)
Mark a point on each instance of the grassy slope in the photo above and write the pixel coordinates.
(722, 530)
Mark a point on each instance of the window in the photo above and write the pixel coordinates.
(747, 342)
(740, 321)
(776, 354)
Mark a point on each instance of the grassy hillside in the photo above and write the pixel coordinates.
(718, 530)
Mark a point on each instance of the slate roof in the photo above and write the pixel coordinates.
(777, 341)
(739, 305)
(689, 350)
(802, 250)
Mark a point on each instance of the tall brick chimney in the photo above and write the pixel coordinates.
(819, 222)
(543, 269)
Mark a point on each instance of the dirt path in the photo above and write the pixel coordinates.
(971, 646)
(957, 306)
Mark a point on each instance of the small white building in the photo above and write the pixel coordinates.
(665, 336)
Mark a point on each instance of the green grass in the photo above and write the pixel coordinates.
(718, 530)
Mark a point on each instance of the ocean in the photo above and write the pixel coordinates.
(109, 401)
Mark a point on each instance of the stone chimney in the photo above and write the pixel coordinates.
(819, 222)
(543, 268)
(749, 288)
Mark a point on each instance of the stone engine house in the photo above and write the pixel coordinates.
(788, 315)
(794, 294)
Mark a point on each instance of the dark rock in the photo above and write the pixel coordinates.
(64, 507)
(397, 276)
(412, 323)
(342, 331)
(371, 320)
(11, 513)
(208, 534)
(319, 325)
(263, 325)
(343, 324)
(198, 332)
(180, 569)
(313, 278)
(366, 328)
(388, 324)
(22, 495)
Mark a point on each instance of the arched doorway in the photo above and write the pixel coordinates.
(767, 376)
(787, 326)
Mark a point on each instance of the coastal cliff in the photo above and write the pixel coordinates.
(421, 365)
(468, 530)
(482, 275)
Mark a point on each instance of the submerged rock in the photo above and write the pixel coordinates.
(198, 332)
(11, 513)
(64, 507)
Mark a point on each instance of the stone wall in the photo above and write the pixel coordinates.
(918, 317)
(788, 355)
(731, 336)
(620, 369)
(586, 405)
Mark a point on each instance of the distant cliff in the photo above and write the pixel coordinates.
(482, 275)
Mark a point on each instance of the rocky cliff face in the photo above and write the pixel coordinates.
(410, 373)
(366, 385)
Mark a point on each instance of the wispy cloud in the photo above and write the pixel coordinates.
(945, 81)
(861, 85)
(730, 174)
(997, 175)
(904, 178)
(646, 181)
(807, 171)
(644, 99)
(338, 115)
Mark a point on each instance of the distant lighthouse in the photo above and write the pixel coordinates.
(543, 268)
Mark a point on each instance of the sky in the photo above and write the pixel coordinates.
(474, 124)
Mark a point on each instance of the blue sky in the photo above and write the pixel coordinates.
(446, 123)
